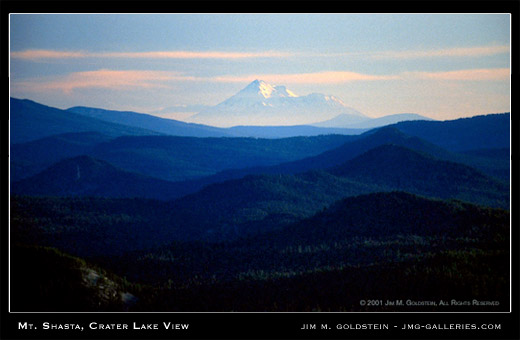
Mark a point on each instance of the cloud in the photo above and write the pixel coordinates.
(47, 54)
(121, 80)
(493, 74)
(180, 109)
(477, 51)
(326, 77)
(117, 80)
(37, 55)
(195, 55)
(107, 79)
(450, 52)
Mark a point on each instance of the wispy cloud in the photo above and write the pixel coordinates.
(492, 74)
(117, 80)
(340, 77)
(478, 51)
(196, 55)
(107, 79)
(326, 77)
(37, 55)
(47, 54)
(121, 80)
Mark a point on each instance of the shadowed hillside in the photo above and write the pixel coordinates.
(479, 132)
(400, 168)
(86, 176)
(30, 121)
(47, 280)
(386, 245)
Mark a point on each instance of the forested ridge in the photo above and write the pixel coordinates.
(168, 223)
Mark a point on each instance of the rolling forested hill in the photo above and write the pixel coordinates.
(145, 222)
(479, 132)
(167, 157)
(86, 176)
(31, 121)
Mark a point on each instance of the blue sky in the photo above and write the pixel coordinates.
(442, 66)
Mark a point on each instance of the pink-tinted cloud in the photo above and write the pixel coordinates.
(496, 74)
(450, 52)
(326, 77)
(116, 80)
(47, 54)
(195, 55)
(121, 80)
(36, 55)
(108, 79)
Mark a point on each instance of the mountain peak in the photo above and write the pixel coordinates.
(260, 103)
(265, 90)
(284, 92)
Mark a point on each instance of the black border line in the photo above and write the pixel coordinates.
(266, 325)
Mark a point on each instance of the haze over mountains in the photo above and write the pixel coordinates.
(153, 123)
(171, 158)
(260, 103)
(346, 121)
(192, 209)
(30, 121)
(259, 110)
(196, 162)
(484, 161)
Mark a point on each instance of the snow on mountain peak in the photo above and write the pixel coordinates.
(282, 91)
(260, 103)
(335, 99)
(265, 90)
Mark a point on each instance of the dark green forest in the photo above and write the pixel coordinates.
(411, 247)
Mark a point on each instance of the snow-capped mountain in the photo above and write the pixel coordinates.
(263, 104)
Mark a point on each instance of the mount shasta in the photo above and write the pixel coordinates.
(260, 103)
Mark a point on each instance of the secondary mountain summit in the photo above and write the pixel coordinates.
(263, 104)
